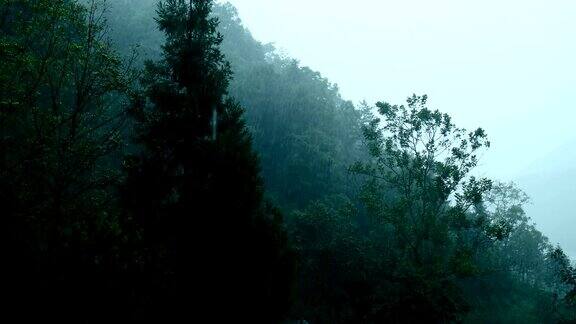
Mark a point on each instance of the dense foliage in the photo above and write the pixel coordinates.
(194, 190)
(295, 116)
(60, 85)
(158, 164)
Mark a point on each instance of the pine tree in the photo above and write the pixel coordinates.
(210, 244)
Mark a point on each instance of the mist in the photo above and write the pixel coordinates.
(288, 162)
(505, 66)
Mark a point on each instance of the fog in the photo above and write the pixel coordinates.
(288, 161)
(506, 66)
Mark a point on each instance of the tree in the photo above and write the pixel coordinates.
(566, 273)
(209, 241)
(513, 281)
(339, 277)
(420, 162)
(398, 253)
(304, 132)
(61, 93)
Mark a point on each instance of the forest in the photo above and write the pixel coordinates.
(160, 165)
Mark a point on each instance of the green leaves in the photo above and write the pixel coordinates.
(473, 192)
(421, 148)
(419, 189)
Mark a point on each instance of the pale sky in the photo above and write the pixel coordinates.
(508, 66)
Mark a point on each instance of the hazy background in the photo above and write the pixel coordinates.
(505, 65)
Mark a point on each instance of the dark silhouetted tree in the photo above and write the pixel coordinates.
(61, 91)
(211, 245)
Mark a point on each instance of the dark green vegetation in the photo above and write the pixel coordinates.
(202, 175)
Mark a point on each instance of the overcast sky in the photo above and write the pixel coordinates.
(508, 66)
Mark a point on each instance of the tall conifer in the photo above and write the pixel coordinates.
(209, 240)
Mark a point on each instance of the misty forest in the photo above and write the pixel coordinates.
(158, 164)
